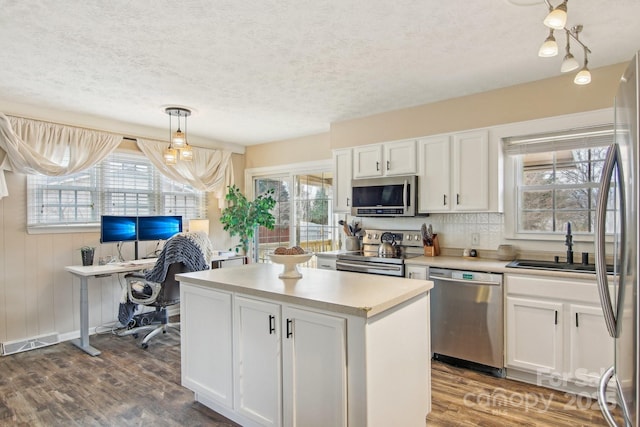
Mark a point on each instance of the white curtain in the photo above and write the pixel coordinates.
(36, 147)
(210, 170)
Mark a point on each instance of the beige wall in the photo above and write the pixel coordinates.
(298, 150)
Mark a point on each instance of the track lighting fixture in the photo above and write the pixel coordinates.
(556, 19)
(178, 147)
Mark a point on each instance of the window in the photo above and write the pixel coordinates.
(122, 184)
(303, 213)
(557, 177)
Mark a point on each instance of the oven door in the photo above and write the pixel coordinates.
(370, 267)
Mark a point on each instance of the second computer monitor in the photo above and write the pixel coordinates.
(158, 227)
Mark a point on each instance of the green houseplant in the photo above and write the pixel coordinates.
(241, 217)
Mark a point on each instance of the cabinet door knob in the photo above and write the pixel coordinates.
(272, 324)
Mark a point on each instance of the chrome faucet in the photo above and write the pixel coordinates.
(568, 242)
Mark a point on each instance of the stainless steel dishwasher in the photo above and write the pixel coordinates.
(467, 319)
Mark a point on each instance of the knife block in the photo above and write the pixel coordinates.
(433, 250)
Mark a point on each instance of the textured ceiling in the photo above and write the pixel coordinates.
(258, 71)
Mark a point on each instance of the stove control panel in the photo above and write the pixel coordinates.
(400, 237)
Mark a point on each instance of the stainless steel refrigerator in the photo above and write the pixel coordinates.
(617, 213)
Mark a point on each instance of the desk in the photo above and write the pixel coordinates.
(84, 272)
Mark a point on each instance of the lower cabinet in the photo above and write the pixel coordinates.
(257, 365)
(556, 333)
(314, 365)
(281, 365)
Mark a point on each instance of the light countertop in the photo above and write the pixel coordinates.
(364, 295)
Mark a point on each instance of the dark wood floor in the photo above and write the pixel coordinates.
(128, 386)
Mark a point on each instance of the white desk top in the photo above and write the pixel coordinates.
(343, 292)
(112, 268)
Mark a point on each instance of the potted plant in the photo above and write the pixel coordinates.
(241, 216)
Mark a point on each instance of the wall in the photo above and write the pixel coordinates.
(297, 150)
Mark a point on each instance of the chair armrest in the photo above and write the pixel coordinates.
(137, 274)
(155, 289)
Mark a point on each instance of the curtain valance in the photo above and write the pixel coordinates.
(210, 170)
(36, 147)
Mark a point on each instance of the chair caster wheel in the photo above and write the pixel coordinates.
(144, 345)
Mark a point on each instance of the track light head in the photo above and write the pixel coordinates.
(557, 18)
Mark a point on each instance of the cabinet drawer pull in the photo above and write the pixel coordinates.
(556, 321)
(457, 199)
(444, 197)
(577, 322)
(289, 328)
(272, 324)
(377, 166)
(388, 166)
(348, 201)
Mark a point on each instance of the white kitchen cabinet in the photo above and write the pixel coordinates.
(342, 162)
(207, 344)
(257, 362)
(416, 272)
(454, 172)
(590, 346)
(388, 159)
(556, 334)
(315, 369)
(434, 158)
(534, 337)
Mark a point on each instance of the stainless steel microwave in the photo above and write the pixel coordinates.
(388, 196)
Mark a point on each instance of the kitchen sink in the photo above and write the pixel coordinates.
(559, 266)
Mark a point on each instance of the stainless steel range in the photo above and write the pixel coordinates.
(383, 252)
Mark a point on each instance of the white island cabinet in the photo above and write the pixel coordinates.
(330, 349)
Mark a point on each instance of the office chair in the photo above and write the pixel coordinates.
(158, 287)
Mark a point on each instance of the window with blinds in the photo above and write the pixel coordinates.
(557, 178)
(122, 184)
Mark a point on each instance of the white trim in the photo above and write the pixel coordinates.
(550, 124)
(288, 170)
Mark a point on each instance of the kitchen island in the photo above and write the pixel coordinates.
(331, 348)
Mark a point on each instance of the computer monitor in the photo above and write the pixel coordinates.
(158, 227)
(118, 229)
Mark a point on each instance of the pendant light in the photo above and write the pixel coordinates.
(178, 147)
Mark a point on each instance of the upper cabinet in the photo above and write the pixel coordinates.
(388, 159)
(454, 173)
(342, 180)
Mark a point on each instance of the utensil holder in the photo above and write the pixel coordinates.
(352, 244)
(434, 249)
